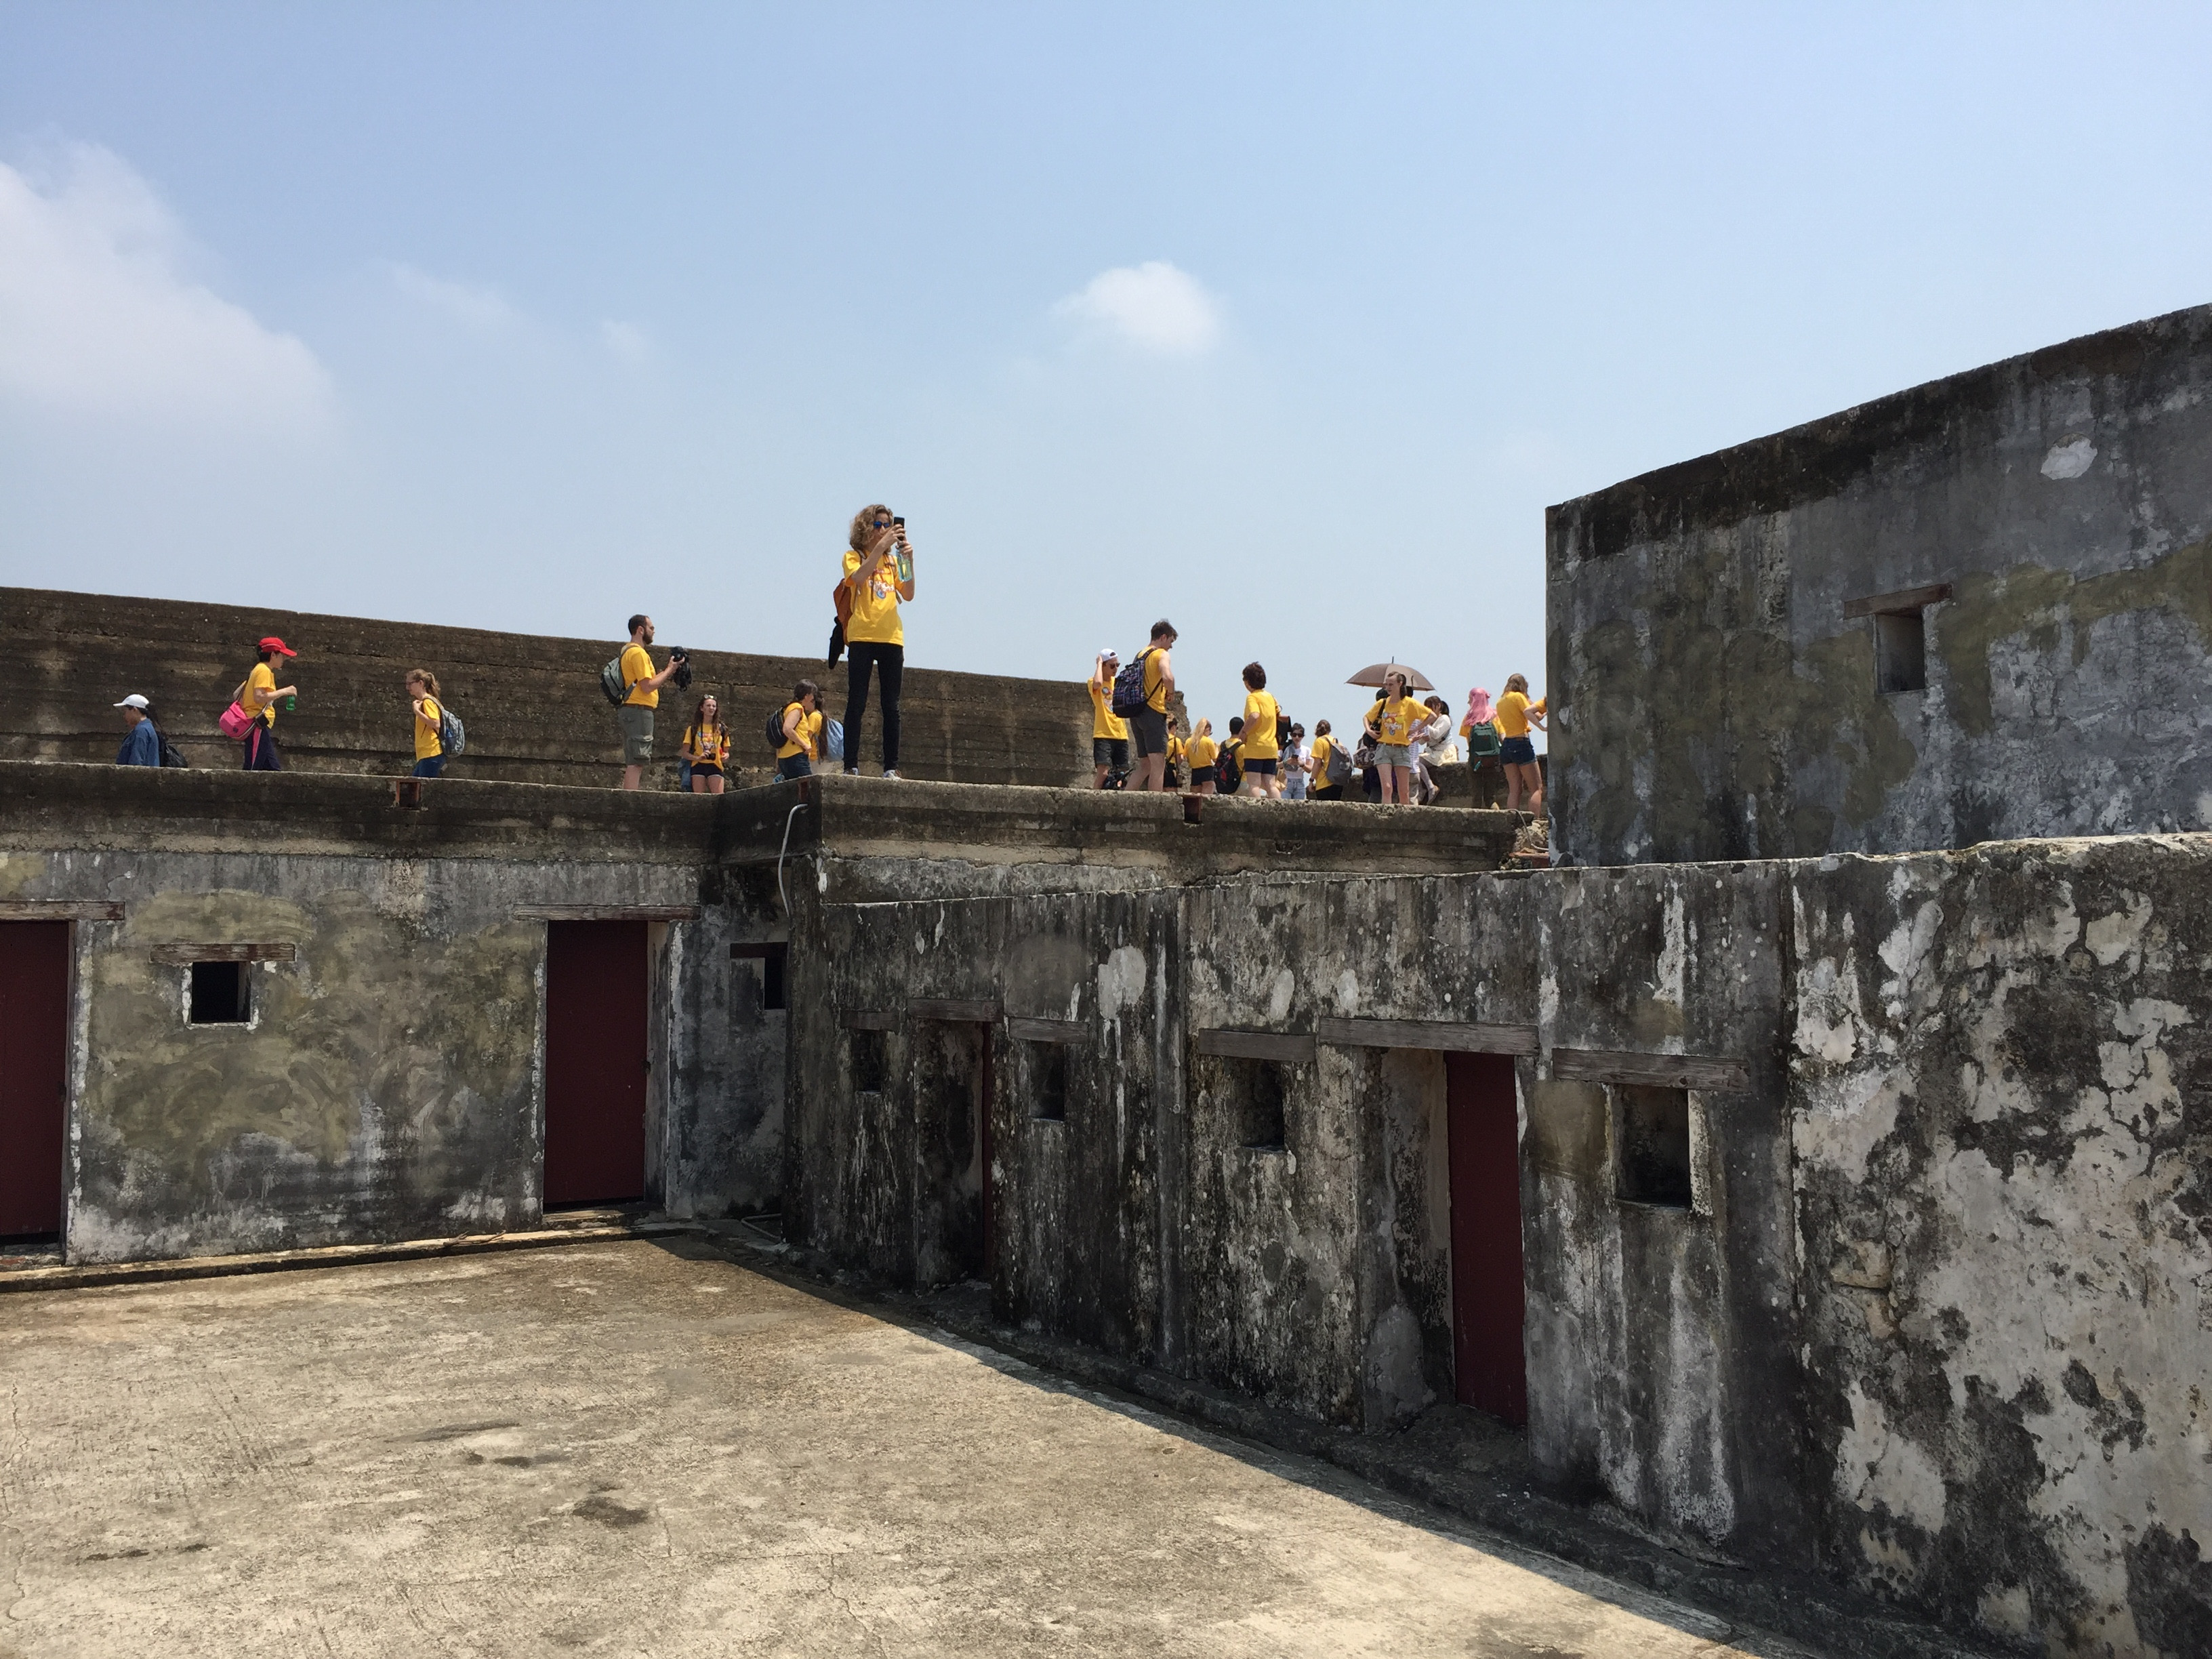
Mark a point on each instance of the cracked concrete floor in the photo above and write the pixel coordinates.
(633, 1449)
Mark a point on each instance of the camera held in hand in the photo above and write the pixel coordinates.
(682, 679)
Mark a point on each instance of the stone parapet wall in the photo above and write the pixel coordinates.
(531, 703)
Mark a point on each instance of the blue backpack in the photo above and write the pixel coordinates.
(451, 736)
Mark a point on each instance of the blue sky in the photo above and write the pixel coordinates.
(1285, 321)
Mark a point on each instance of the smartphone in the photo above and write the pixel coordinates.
(905, 554)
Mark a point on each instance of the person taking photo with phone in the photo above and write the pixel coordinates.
(879, 578)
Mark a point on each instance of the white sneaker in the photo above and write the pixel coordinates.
(890, 775)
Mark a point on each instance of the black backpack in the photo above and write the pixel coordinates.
(774, 730)
(1228, 773)
(1128, 694)
(169, 754)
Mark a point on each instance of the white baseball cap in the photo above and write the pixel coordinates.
(134, 701)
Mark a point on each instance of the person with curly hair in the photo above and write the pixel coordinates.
(878, 579)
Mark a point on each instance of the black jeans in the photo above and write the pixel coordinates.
(889, 663)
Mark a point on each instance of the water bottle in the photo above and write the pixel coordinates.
(291, 705)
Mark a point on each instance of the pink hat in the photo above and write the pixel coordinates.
(1479, 710)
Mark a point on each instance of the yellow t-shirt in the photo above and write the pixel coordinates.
(1177, 749)
(875, 618)
(427, 744)
(1399, 720)
(1155, 682)
(1318, 754)
(1202, 752)
(636, 666)
(1104, 722)
(1260, 721)
(263, 678)
(710, 747)
(808, 733)
(1513, 715)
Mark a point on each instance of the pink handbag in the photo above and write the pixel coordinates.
(236, 722)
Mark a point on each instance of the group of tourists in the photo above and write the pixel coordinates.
(1267, 755)
(1133, 745)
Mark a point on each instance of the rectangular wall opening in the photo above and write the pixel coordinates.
(769, 954)
(221, 993)
(1489, 1293)
(869, 1053)
(1900, 651)
(1256, 1092)
(1045, 1065)
(1651, 1145)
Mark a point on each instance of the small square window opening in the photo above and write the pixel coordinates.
(1900, 651)
(219, 995)
(1651, 1145)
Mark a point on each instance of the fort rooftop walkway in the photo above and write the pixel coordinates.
(644, 1448)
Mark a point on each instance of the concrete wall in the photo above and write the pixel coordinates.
(390, 1084)
(531, 703)
(1712, 700)
(1931, 1320)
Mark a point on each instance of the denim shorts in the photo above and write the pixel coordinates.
(1518, 751)
(1393, 754)
(794, 766)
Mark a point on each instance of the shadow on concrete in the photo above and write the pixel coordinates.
(1454, 1473)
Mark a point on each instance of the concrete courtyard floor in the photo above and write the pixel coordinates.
(646, 1448)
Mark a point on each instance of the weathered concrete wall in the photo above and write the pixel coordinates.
(388, 1085)
(2004, 1170)
(1711, 700)
(531, 703)
(1930, 1320)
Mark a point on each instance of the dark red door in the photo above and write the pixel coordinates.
(595, 1062)
(1488, 1300)
(33, 1074)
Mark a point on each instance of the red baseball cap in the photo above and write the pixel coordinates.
(272, 643)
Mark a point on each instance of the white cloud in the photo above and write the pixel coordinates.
(1153, 305)
(464, 302)
(97, 316)
(627, 342)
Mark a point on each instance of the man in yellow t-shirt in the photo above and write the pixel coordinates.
(1149, 726)
(1324, 746)
(878, 579)
(1110, 732)
(1178, 752)
(1516, 750)
(803, 720)
(1262, 752)
(635, 717)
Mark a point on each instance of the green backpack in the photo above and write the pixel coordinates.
(1482, 742)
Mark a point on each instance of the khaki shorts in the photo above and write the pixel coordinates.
(636, 723)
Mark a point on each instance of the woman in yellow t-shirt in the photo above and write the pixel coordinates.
(258, 696)
(1178, 752)
(1395, 720)
(707, 746)
(1202, 750)
(429, 739)
(1262, 749)
(802, 731)
(878, 579)
(1517, 751)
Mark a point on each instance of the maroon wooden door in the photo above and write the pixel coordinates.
(595, 1062)
(33, 1074)
(1488, 1300)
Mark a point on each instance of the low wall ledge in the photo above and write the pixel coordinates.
(1467, 1036)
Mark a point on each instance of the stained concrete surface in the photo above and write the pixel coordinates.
(637, 1449)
